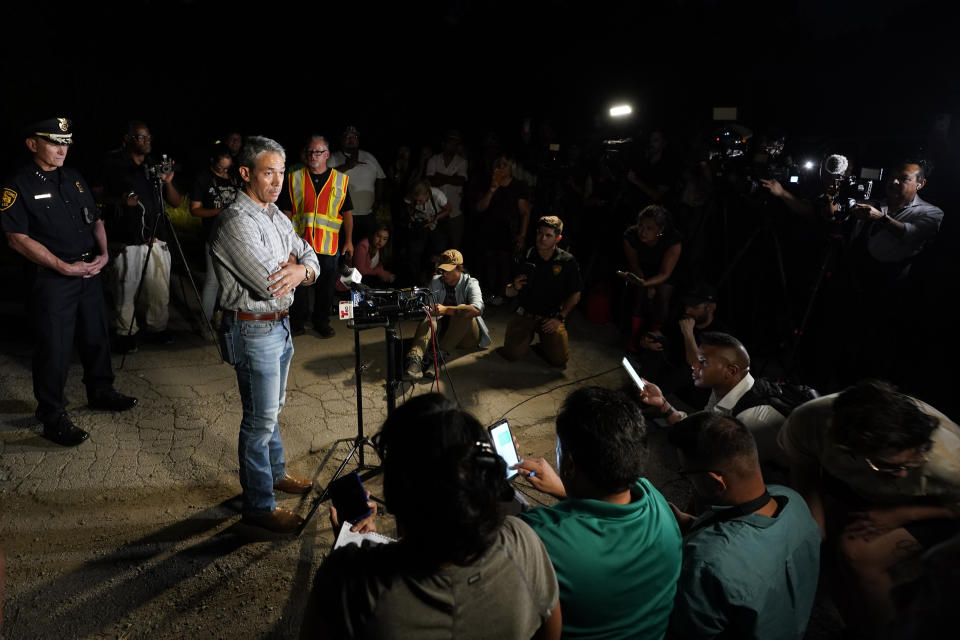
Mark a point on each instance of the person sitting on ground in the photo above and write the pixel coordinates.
(548, 287)
(880, 472)
(461, 568)
(751, 561)
(652, 248)
(458, 303)
(723, 367)
(370, 258)
(613, 540)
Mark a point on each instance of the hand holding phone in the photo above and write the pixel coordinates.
(637, 380)
(502, 441)
(349, 498)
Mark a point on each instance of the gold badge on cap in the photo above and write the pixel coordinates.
(9, 197)
(64, 124)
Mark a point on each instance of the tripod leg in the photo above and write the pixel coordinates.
(193, 283)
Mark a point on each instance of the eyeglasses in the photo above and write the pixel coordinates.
(316, 152)
(891, 469)
(141, 138)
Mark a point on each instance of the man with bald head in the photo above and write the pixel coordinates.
(723, 366)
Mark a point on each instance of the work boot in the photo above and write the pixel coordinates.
(64, 432)
(280, 520)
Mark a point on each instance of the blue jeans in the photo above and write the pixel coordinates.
(261, 353)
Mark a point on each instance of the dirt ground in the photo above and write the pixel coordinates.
(136, 563)
(137, 534)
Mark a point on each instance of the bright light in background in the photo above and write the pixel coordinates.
(808, 165)
(620, 110)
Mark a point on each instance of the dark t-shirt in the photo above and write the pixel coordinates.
(651, 258)
(131, 225)
(549, 282)
(500, 223)
(318, 179)
(213, 192)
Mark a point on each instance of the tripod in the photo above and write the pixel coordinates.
(360, 441)
(157, 182)
(833, 248)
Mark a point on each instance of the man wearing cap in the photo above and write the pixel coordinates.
(366, 182)
(549, 288)
(448, 172)
(457, 304)
(127, 186)
(50, 218)
(260, 260)
(317, 200)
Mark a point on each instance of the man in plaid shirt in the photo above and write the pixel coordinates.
(260, 260)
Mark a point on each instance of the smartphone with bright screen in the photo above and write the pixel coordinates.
(502, 441)
(637, 380)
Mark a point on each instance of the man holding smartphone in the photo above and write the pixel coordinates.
(612, 538)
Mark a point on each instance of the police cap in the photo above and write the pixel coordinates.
(55, 130)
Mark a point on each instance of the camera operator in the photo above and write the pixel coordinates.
(457, 303)
(886, 239)
(127, 186)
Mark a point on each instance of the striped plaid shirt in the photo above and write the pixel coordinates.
(248, 245)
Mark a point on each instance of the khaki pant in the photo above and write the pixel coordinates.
(155, 289)
(461, 333)
(555, 347)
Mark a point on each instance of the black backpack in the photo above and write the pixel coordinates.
(782, 396)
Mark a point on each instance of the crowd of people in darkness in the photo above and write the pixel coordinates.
(756, 301)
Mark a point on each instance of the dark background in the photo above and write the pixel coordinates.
(402, 72)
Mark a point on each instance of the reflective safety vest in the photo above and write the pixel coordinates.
(316, 216)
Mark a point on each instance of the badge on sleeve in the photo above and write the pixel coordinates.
(9, 197)
(79, 188)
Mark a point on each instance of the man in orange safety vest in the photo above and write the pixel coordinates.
(317, 202)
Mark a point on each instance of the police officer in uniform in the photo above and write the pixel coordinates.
(50, 217)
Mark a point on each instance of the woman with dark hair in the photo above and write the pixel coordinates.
(214, 190)
(652, 248)
(460, 569)
(370, 257)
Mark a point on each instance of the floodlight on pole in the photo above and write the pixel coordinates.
(620, 110)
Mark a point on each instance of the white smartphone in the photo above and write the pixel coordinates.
(637, 380)
(502, 441)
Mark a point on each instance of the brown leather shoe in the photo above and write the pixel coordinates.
(293, 484)
(280, 520)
